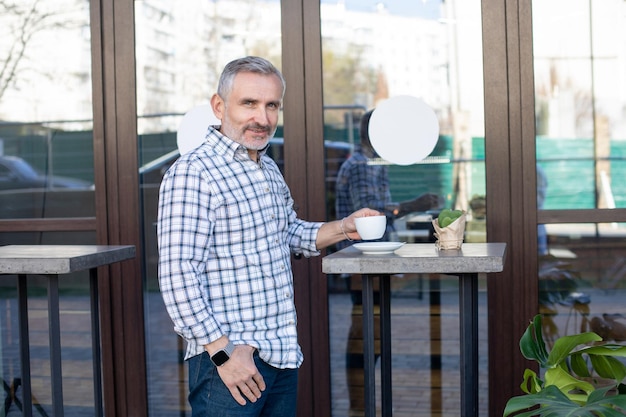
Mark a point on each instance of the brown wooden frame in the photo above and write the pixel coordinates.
(511, 190)
(117, 205)
(512, 297)
(304, 172)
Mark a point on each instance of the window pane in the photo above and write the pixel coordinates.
(580, 100)
(46, 139)
(580, 95)
(432, 50)
(46, 171)
(181, 49)
(583, 280)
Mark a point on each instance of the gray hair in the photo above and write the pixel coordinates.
(252, 64)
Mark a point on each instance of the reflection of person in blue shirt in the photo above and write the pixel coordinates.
(542, 234)
(362, 181)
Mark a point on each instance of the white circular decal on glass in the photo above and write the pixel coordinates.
(403, 130)
(192, 130)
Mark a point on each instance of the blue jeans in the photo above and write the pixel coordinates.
(209, 397)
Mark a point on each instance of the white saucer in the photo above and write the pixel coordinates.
(377, 248)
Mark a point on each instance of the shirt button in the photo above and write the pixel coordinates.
(267, 190)
(287, 295)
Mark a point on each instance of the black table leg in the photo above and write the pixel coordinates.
(434, 299)
(27, 399)
(468, 311)
(368, 346)
(95, 341)
(54, 330)
(385, 345)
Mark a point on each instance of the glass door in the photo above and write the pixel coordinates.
(373, 51)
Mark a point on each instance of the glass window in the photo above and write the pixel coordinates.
(432, 50)
(580, 99)
(46, 171)
(580, 96)
(181, 49)
(583, 279)
(46, 138)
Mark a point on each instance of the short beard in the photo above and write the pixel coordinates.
(258, 145)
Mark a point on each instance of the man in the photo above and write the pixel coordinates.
(364, 182)
(226, 227)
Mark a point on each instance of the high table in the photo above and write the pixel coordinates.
(466, 263)
(50, 261)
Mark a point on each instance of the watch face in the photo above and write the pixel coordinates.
(219, 358)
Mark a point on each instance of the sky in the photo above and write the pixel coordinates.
(423, 8)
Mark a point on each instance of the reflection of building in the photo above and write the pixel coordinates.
(577, 71)
(447, 55)
(195, 42)
(384, 40)
(176, 69)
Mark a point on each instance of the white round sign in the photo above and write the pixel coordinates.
(192, 130)
(403, 130)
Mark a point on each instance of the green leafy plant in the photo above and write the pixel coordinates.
(447, 217)
(582, 378)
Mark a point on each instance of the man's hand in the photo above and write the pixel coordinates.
(241, 376)
(338, 230)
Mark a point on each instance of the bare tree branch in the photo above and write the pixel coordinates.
(21, 24)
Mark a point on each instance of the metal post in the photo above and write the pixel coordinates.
(95, 341)
(55, 344)
(468, 311)
(385, 345)
(369, 362)
(22, 295)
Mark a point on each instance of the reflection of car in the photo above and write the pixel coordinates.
(16, 173)
(25, 193)
(335, 153)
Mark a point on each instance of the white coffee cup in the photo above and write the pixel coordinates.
(371, 227)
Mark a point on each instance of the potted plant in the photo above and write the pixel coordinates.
(582, 377)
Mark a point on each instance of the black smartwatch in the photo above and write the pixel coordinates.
(220, 357)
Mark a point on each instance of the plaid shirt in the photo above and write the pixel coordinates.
(226, 228)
